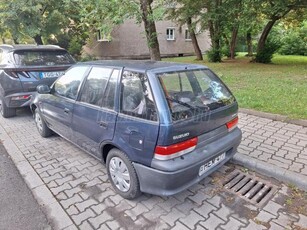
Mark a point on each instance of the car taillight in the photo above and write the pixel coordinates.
(24, 97)
(175, 150)
(232, 124)
(11, 74)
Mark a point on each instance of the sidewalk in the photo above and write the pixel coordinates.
(274, 148)
(74, 192)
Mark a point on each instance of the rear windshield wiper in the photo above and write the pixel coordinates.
(205, 107)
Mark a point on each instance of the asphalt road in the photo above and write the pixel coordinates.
(18, 208)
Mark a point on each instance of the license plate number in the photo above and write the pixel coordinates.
(204, 168)
(50, 74)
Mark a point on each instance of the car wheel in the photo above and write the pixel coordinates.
(5, 111)
(122, 174)
(41, 126)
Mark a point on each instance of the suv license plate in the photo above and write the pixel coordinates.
(50, 74)
(204, 168)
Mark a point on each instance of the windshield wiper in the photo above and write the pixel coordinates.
(205, 107)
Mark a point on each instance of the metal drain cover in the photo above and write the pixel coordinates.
(252, 189)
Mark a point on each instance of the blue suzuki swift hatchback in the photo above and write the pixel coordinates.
(159, 127)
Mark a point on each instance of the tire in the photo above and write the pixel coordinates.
(118, 167)
(41, 126)
(5, 111)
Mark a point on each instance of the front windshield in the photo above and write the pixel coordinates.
(193, 92)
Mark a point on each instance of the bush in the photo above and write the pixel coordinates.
(214, 55)
(266, 55)
(295, 42)
(75, 47)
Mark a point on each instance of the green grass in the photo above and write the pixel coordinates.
(280, 87)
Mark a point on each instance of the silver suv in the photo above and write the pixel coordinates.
(23, 67)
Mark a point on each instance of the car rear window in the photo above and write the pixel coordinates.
(42, 57)
(193, 92)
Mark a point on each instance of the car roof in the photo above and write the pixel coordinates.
(145, 65)
(30, 47)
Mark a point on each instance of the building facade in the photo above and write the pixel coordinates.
(128, 41)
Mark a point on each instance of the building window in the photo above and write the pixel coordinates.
(170, 34)
(102, 37)
(187, 35)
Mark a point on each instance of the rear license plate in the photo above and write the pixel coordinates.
(50, 74)
(204, 168)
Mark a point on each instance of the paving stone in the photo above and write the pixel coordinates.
(274, 226)
(302, 221)
(205, 209)
(180, 226)
(296, 167)
(171, 217)
(232, 224)
(60, 188)
(100, 219)
(191, 220)
(113, 224)
(223, 212)
(278, 163)
(152, 201)
(72, 210)
(168, 204)
(215, 201)
(85, 226)
(253, 226)
(264, 216)
(186, 207)
(212, 222)
(72, 191)
(136, 211)
(85, 204)
(73, 200)
(86, 215)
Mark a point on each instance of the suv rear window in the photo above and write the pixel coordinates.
(42, 57)
(193, 92)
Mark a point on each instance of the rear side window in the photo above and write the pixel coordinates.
(193, 92)
(42, 57)
(95, 85)
(68, 84)
(136, 96)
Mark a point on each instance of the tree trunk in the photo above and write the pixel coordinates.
(233, 41)
(15, 41)
(150, 30)
(197, 50)
(38, 39)
(267, 29)
(249, 44)
(264, 35)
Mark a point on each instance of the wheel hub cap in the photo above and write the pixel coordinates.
(119, 174)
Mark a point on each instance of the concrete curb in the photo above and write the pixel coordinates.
(275, 117)
(271, 170)
(52, 209)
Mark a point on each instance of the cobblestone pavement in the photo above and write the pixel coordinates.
(75, 193)
(280, 144)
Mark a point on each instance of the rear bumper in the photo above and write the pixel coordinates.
(167, 182)
(18, 103)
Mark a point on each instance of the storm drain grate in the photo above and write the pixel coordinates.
(252, 189)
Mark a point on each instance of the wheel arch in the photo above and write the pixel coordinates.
(105, 148)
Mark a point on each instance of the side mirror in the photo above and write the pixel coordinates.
(43, 89)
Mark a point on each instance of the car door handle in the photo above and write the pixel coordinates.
(102, 124)
(66, 110)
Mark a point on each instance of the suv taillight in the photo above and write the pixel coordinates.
(231, 125)
(175, 150)
(11, 74)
